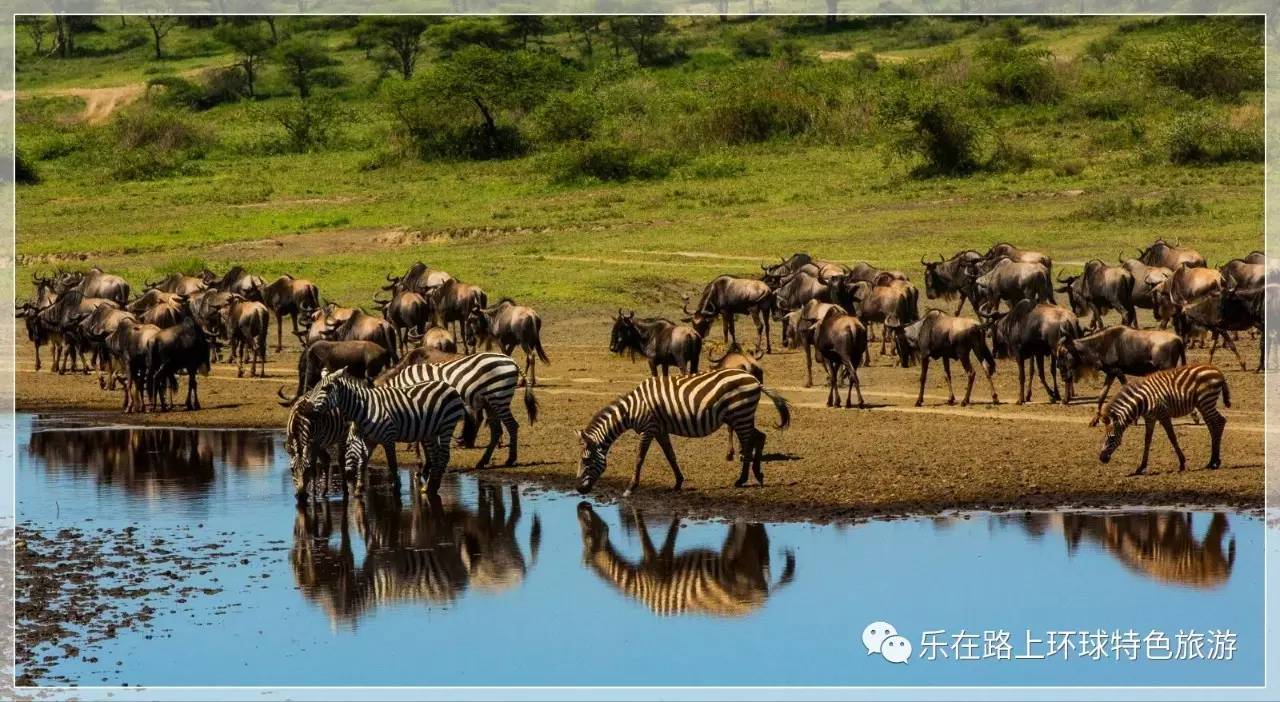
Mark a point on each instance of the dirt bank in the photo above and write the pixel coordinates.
(832, 463)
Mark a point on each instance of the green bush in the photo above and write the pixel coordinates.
(753, 41)
(1204, 61)
(216, 88)
(1102, 49)
(1126, 208)
(1110, 104)
(940, 128)
(1200, 137)
(310, 125)
(613, 163)
(571, 116)
(1019, 75)
(1010, 158)
(24, 171)
(718, 164)
(155, 143)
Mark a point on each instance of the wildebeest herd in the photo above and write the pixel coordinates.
(367, 380)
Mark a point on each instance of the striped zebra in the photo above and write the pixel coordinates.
(487, 383)
(731, 582)
(424, 414)
(312, 440)
(691, 405)
(1162, 396)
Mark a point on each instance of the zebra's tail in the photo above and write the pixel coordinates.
(1226, 392)
(530, 402)
(780, 403)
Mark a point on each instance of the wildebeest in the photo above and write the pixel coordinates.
(877, 301)
(178, 284)
(96, 284)
(1018, 255)
(166, 313)
(419, 278)
(802, 330)
(407, 311)
(453, 302)
(794, 290)
(29, 313)
(358, 325)
(1032, 331)
(361, 359)
(291, 296)
(1007, 280)
(103, 321)
(1117, 352)
(1164, 255)
(800, 263)
(948, 278)
(149, 299)
(1146, 283)
(55, 324)
(236, 281)
(1187, 285)
(1239, 273)
(246, 322)
(434, 338)
(510, 325)
(184, 348)
(940, 335)
(1222, 314)
(1098, 289)
(661, 341)
(840, 340)
(129, 345)
(727, 297)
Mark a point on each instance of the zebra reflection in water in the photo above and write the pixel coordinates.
(429, 551)
(733, 582)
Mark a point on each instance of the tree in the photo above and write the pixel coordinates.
(251, 46)
(642, 34)
(270, 21)
(36, 27)
(492, 80)
(525, 27)
(584, 27)
(304, 62)
(160, 26)
(401, 36)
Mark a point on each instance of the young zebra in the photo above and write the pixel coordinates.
(311, 441)
(1160, 397)
(425, 414)
(486, 381)
(693, 405)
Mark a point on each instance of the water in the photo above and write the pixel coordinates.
(498, 584)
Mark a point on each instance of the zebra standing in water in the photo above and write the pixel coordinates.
(694, 405)
(486, 381)
(1160, 397)
(425, 414)
(311, 440)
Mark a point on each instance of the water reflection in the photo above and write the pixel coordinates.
(733, 582)
(428, 551)
(1161, 545)
(147, 460)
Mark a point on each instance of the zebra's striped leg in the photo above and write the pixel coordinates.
(729, 456)
(645, 440)
(357, 458)
(1173, 439)
(508, 421)
(393, 465)
(495, 431)
(439, 461)
(757, 454)
(670, 453)
(1146, 447)
(1216, 423)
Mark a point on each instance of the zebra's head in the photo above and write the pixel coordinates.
(1115, 434)
(320, 398)
(297, 444)
(592, 463)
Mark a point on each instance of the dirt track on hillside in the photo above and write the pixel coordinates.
(890, 459)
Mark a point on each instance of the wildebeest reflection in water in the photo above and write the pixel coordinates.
(733, 582)
(151, 460)
(1159, 545)
(429, 551)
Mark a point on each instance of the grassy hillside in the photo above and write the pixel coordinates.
(605, 182)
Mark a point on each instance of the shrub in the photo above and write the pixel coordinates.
(567, 117)
(24, 171)
(1010, 158)
(312, 124)
(1106, 103)
(613, 163)
(941, 129)
(471, 142)
(1200, 138)
(754, 41)
(218, 87)
(155, 143)
(1126, 208)
(714, 165)
(1204, 61)
(1019, 75)
(1069, 168)
(1100, 50)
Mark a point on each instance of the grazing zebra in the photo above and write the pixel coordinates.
(1160, 397)
(425, 414)
(692, 405)
(486, 381)
(731, 582)
(311, 440)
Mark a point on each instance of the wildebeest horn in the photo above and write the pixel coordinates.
(392, 279)
(685, 307)
(288, 401)
(922, 261)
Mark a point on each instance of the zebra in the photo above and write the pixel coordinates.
(731, 582)
(311, 440)
(1160, 397)
(692, 405)
(425, 414)
(486, 381)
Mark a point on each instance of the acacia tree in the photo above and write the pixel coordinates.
(160, 26)
(37, 27)
(400, 36)
(252, 47)
(642, 34)
(304, 62)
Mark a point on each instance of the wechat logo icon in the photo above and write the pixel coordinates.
(883, 639)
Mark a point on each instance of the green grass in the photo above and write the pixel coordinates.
(512, 227)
